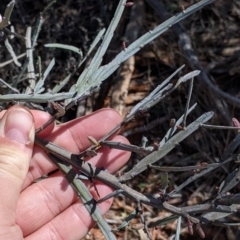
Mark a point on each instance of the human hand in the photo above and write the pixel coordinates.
(49, 209)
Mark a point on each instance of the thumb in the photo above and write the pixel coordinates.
(16, 143)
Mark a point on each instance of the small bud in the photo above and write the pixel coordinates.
(156, 146)
(124, 46)
(118, 174)
(235, 122)
(200, 231)
(204, 164)
(190, 227)
(91, 153)
(179, 127)
(172, 122)
(93, 140)
(128, 4)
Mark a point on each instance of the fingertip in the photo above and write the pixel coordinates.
(16, 141)
(109, 113)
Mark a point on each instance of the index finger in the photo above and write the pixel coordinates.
(73, 135)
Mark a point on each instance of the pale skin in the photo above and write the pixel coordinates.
(49, 209)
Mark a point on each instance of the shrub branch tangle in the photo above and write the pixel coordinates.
(89, 82)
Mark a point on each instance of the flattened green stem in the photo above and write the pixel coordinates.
(7, 15)
(166, 148)
(111, 180)
(99, 174)
(105, 71)
(86, 197)
(37, 98)
(126, 147)
(184, 169)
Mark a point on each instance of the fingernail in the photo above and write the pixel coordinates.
(18, 125)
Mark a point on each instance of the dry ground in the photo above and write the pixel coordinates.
(215, 36)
